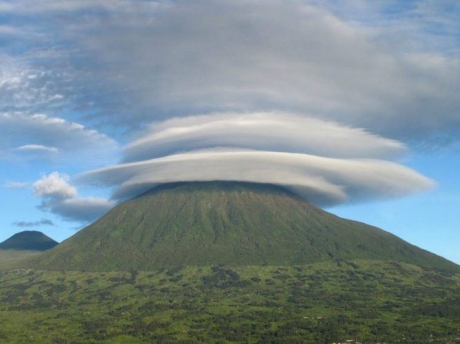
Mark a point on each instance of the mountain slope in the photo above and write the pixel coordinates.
(211, 223)
(28, 241)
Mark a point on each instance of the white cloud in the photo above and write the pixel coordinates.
(61, 198)
(260, 131)
(321, 161)
(54, 186)
(324, 181)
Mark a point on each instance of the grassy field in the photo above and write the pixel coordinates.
(9, 258)
(359, 301)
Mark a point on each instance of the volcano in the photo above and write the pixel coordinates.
(28, 241)
(229, 223)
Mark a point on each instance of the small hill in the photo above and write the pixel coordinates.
(28, 241)
(230, 223)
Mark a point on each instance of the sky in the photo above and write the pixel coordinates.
(353, 105)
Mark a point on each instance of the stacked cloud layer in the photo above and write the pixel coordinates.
(321, 161)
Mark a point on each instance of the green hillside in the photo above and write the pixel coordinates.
(28, 241)
(211, 223)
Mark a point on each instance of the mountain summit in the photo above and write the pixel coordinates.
(232, 223)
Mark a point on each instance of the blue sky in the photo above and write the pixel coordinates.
(351, 104)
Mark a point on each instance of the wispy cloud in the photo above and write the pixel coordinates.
(42, 222)
(35, 148)
(16, 185)
(38, 133)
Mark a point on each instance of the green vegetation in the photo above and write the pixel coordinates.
(10, 258)
(28, 241)
(232, 223)
(360, 300)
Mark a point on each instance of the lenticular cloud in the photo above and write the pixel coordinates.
(277, 132)
(323, 162)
